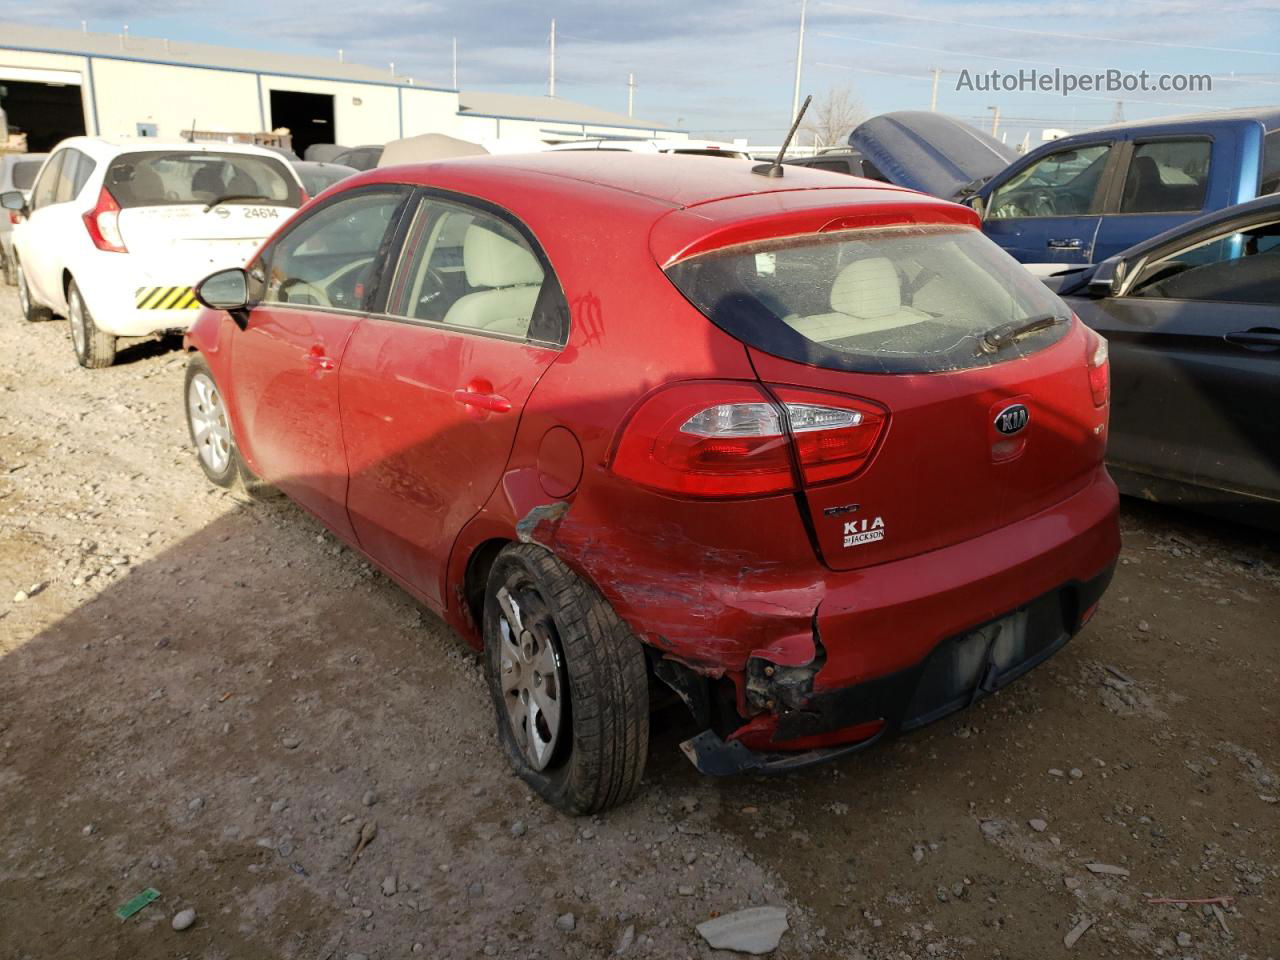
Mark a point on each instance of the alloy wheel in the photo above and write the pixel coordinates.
(533, 680)
(24, 295)
(75, 316)
(209, 427)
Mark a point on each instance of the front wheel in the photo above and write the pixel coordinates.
(94, 348)
(568, 683)
(210, 430)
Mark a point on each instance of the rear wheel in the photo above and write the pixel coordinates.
(94, 348)
(210, 431)
(568, 683)
(30, 312)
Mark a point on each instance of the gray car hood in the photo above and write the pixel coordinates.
(929, 152)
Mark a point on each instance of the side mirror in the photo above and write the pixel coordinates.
(225, 290)
(14, 200)
(1108, 278)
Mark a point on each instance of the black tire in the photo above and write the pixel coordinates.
(30, 312)
(603, 742)
(94, 348)
(233, 474)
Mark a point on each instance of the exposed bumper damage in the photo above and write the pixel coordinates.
(811, 727)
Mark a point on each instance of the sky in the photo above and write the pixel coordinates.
(728, 70)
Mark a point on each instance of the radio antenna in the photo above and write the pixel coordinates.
(775, 169)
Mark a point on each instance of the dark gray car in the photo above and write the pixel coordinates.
(1193, 321)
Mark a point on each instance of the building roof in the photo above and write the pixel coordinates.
(22, 36)
(514, 106)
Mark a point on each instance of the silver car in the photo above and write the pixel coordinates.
(17, 172)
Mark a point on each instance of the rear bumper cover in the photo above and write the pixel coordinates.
(957, 673)
(900, 645)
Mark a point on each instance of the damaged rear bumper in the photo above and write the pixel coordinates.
(957, 673)
(895, 647)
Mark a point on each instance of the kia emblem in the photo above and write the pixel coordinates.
(1012, 419)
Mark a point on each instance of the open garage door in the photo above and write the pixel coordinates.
(308, 116)
(45, 105)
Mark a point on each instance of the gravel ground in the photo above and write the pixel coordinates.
(213, 698)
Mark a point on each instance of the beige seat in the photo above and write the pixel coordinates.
(513, 275)
(866, 297)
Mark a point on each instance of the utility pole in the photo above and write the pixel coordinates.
(795, 97)
(631, 94)
(995, 119)
(551, 81)
(455, 63)
(933, 100)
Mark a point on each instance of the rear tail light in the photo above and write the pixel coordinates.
(14, 217)
(1099, 369)
(729, 439)
(103, 224)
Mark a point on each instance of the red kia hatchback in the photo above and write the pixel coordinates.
(809, 451)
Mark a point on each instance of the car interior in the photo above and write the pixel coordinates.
(1241, 267)
(894, 293)
(472, 271)
(1062, 183)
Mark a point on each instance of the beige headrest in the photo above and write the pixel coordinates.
(867, 288)
(491, 260)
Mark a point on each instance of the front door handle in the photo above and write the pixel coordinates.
(1257, 338)
(1066, 243)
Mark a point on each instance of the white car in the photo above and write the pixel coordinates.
(117, 231)
(702, 148)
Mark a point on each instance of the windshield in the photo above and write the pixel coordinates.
(24, 173)
(899, 300)
(157, 178)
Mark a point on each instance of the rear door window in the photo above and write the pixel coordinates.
(160, 178)
(1270, 164)
(75, 170)
(900, 300)
(471, 269)
(1166, 176)
(1063, 184)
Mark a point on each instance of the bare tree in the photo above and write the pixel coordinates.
(831, 119)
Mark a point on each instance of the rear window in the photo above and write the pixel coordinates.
(24, 173)
(157, 178)
(897, 300)
(1271, 163)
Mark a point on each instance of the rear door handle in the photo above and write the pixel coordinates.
(1258, 338)
(1066, 243)
(318, 359)
(494, 403)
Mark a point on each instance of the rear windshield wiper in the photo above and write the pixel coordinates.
(233, 196)
(1007, 333)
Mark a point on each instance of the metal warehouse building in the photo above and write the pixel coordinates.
(60, 83)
